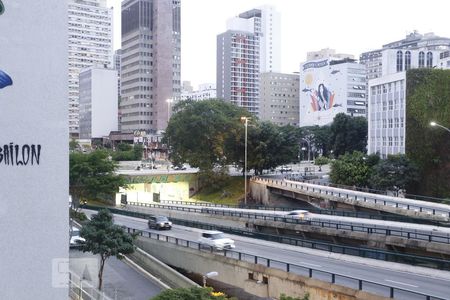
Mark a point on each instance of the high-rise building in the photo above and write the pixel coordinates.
(279, 102)
(250, 46)
(98, 102)
(325, 53)
(117, 60)
(151, 63)
(387, 87)
(373, 60)
(90, 44)
(330, 86)
(205, 91)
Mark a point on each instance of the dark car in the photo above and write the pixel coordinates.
(159, 222)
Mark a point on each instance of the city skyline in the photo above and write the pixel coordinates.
(305, 27)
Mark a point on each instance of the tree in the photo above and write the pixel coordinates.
(106, 239)
(394, 173)
(351, 169)
(73, 145)
(204, 133)
(348, 134)
(320, 161)
(193, 293)
(92, 176)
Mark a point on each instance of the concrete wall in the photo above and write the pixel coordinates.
(160, 270)
(236, 273)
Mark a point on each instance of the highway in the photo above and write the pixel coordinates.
(439, 287)
(440, 234)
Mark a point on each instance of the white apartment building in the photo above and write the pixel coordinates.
(98, 102)
(250, 46)
(90, 44)
(205, 91)
(331, 86)
(387, 97)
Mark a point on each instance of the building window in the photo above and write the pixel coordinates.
(399, 61)
(390, 141)
(407, 60)
(421, 59)
(429, 60)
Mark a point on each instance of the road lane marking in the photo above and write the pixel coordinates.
(308, 264)
(398, 282)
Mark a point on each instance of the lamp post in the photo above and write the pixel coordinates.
(245, 119)
(209, 275)
(438, 125)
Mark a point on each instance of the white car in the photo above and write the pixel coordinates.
(301, 214)
(75, 238)
(216, 240)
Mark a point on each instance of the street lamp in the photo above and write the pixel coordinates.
(245, 120)
(209, 275)
(438, 125)
(169, 101)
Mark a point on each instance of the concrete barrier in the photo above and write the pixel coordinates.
(256, 279)
(168, 276)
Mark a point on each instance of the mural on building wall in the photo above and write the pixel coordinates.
(321, 93)
(5, 79)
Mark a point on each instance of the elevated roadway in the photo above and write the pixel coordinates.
(411, 278)
(261, 187)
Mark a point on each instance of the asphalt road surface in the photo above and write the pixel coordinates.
(439, 287)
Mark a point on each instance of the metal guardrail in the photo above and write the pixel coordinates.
(327, 212)
(442, 210)
(354, 227)
(334, 278)
(80, 289)
(441, 264)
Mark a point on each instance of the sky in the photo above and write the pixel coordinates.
(349, 26)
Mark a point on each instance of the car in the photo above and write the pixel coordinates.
(301, 214)
(216, 240)
(178, 168)
(285, 169)
(159, 223)
(75, 238)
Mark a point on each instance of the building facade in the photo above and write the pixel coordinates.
(250, 46)
(205, 91)
(279, 98)
(330, 86)
(151, 63)
(90, 25)
(325, 53)
(98, 102)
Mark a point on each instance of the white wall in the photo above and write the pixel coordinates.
(34, 213)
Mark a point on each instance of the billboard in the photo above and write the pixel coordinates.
(323, 91)
(33, 149)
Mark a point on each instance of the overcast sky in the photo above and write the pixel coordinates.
(349, 26)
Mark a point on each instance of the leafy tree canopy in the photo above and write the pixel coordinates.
(106, 239)
(351, 169)
(394, 173)
(348, 134)
(92, 176)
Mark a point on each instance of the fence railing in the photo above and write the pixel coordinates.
(327, 212)
(441, 210)
(354, 227)
(332, 277)
(307, 243)
(80, 289)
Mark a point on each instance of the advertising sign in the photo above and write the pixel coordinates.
(34, 140)
(322, 92)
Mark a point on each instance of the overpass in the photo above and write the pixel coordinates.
(262, 188)
(267, 269)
